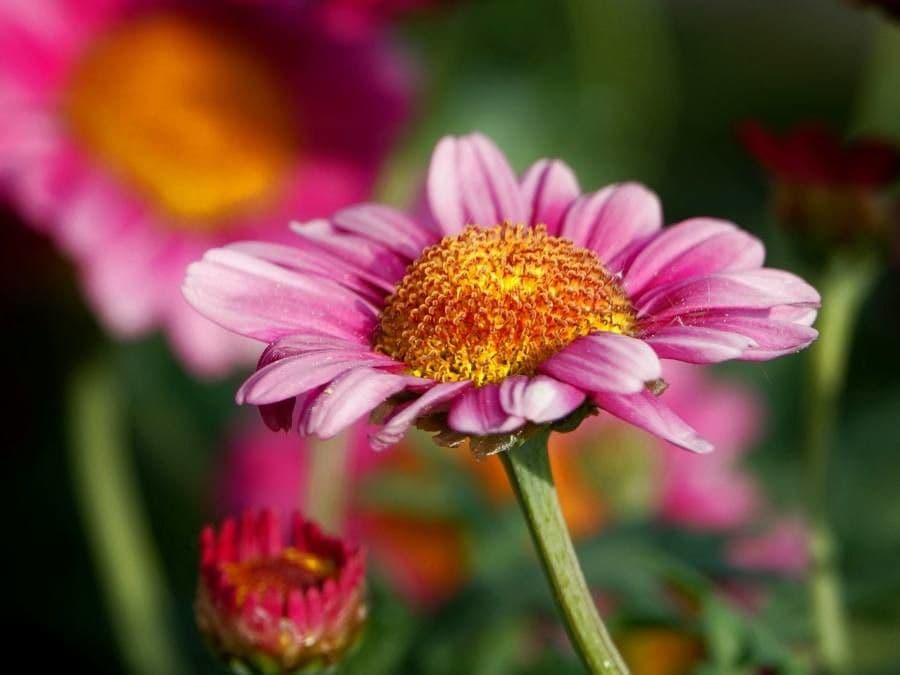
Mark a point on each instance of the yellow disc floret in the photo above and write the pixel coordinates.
(289, 570)
(186, 113)
(490, 303)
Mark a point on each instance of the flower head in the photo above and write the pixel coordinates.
(423, 556)
(265, 604)
(513, 303)
(824, 186)
(139, 133)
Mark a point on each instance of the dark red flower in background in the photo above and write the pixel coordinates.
(275, 607)
(824, 185)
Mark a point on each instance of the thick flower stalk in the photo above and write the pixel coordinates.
(140, 133)
(511, 305)
(274, 607)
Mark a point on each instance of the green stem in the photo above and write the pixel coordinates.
(107, 496)
(843, 290)
(325, 487)
(528, 469)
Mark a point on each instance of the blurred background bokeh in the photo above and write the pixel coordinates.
(698, 561)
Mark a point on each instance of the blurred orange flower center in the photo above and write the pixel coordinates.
(490, 303)
(187, 114)
(291, 569)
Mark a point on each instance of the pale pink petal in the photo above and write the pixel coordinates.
(263, 301)
(647, 412)
(605, 362)
(387, 226)
(471, 183)
(397, 425)
(294, 375)
(349, 397)
(691, 248)
(539, 399)
(479, 411)
(548, 188)
(610, 220)
(320, 263)
(698, 344)
(706, 338)
(359, 252)
(752, 289)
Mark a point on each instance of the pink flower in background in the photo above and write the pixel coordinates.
(276, 603)
(782, 549)
(606, 472)
(424, 557)
(515, 301)
(140, 133)
(714, 492)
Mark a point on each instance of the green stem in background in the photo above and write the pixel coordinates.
(325, 488)
(843, 289)
(528, 468)
(106, 492)
(879, 96)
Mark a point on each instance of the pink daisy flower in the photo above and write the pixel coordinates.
(514, 302)
(275, 605)
(140, 133)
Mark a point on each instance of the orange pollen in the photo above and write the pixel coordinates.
(490, 303)
(187, 114)
(291, 569)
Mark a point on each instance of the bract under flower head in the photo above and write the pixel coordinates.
(512, 303)
(268, 605)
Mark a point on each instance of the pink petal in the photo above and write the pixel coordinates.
(263, 301)
(320, 263)
(471, 183)
(608, 221)
(753, 289)
(359, 252)
(539, 399)
(387, 226)
(647, 412)
(349, 397)
(398, 424)
(771, 337)
(479, 412)
(293, 375)
(606, 362)
(691, 248)
(699, 344)
(548, 188)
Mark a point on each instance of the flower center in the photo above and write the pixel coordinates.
(490, 303)
(186, 113)
(290, 570)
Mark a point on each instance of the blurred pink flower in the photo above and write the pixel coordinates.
(712, 492)
(605, 471)
(782, 549)
(140, 133)
(424, 557)
(538, 299)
